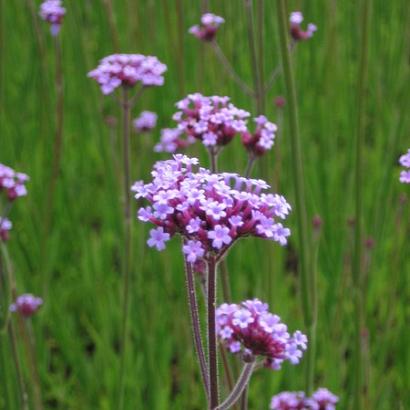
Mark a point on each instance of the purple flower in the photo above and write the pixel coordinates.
(405, 162)
(220, 236)
(206, 31)
(127, 70)
(296, 19)
(193, 250)
(53, 12)
(146, 121)
(12, 182)
(5, 228)
(258, 333)
(322, 399)
(325, 399)
(158, 238)
(26, 305)
(172, 140)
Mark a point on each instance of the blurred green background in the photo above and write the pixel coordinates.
(76, 270)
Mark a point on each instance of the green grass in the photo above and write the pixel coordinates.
(78, 275)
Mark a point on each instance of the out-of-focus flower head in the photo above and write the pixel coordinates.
(206, 31)
(12, 182)
(325, 399)
(5, 228)
(251, 330)
(127, 70)
(172, 140)
(210, 211)
(27, 305)
(212, 120)
(53, 12)
(322, 399)
(146, 121)
(296, 18)
(262, 139)
(405, 162)
(280, 101)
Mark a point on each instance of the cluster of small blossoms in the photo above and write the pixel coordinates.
(127, 70)
(296, 31)
(250, 329)
(212, 120)
(321, 399)
(26, 305)
(5, 228)
(262, 139)
(53, 12)
(210, 24)
(12, 182)
(210, 211)
(405, 162)
(172, 140)
(146, 121)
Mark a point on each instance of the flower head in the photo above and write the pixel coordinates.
(127, 70)
(12, 183)
(172, 140)
(210, 211)
(296, 19)
(251, 329)
(325, 399)
(146, 121)
(5, 228)
(206, 31)
(322, 399)
(53, 12)
(405, 174)
(26, 305)
(262, 139)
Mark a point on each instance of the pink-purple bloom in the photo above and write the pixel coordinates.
(321, 399)
(172, 140)
(5, 228)
(53, 12)
(12, 183)
(405, 162)
(127, 70)
(210, 24)
(27, 305)
(210, 211)
(146, 121)
(250, 329)
(296, 19)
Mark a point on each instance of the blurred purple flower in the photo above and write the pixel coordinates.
(262, 139)
(53, 12)
(12, 182)
(172, 140)
(405, 162)
(206, 31)
(26, 305)
(322, 399)
(296, 18)
(146, 121)
(5, 228)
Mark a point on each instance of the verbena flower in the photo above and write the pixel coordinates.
(146, 121)
(12, 183)
(53, 12)
(27, 305)
(5, 228)
(250, 329)
(172, 140)
(405, 162)
(262, 139)
(210, 211)
(296, 18)
(210, 24)
(212, 120)
(127, 70)
(322, 399)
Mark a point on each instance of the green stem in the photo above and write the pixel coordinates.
(358, 250)
(297, 163)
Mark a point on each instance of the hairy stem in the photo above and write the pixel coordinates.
(249, 165)
(297, 162)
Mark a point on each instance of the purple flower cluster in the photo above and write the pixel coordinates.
(26, 305)
(53, 12)
(146, 121)
(210, 24)
(213, 120)
(12, 182)
(210, 211)
(262, 139)
(296, 31)
(249, 328)
(127, 70)
(405, 162)
(5, 228)
(173, 139)
(322, 399)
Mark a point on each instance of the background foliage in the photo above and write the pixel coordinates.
(76, 268)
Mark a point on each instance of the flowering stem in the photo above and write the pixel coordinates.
(303, 237)
(357, 259)
(196, 326)
(249, 165)
(126, 113)
(212, 345)
(239, 388)
(230, 70)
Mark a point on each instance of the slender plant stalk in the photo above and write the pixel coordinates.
(297, 163)
(249, 165)
(127, 262)
(358, 250)
(212, 342)
(112, 25)
(180, 48)
(244, 398)
(196, 326)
